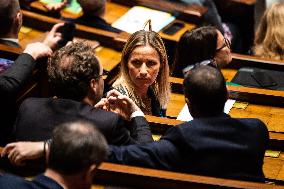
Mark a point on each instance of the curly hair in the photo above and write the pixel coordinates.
(269, 38)
(151, 38)
(71, 69)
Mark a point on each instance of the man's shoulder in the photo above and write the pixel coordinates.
(9, 181)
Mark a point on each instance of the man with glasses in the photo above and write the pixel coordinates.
(212, 143)
(76, 77)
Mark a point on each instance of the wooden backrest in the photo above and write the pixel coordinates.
(160, 125)
(190, 13)
(106, 38)
(9, 52)
(248, 94)
(109, 174)
(137, 177)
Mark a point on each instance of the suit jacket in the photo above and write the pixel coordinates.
(96, 22)
(220, 146)
(37, 117)
(11, 82)
(10, 43)
(9, 181)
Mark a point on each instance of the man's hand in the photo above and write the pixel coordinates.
(121, 104)
(56, 7)
(53, 36)
(38, 50)
(19, 151)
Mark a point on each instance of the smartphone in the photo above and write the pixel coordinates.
(67, 31)
(173, 28)
(263, 79)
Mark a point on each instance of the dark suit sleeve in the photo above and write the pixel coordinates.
(162, 154)
(13, 78)
(135, 131)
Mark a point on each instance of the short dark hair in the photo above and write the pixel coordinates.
(93, 7)
(71, 69)
(75, 146)
(205, 87)
(8, 10)
(195, 46)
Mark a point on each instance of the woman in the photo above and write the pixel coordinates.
(269, 38)
(204, 43)
(145, 72)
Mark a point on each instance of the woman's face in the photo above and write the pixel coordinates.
(143, 65)
(223, 51)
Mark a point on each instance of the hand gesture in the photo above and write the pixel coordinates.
(121, 104)
(53, 36)
(19, 151)
(38, 50)
(56, 7)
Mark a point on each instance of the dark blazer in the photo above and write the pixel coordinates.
(9, 181)
(220, 146)
(37, 117)
(10, 43)
(96, 22)
(11, 82)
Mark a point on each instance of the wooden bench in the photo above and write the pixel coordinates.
(109, 174)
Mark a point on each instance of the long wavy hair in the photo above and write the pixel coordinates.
(151, 38)
(269, 38)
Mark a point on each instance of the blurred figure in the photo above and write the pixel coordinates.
(93, 13)
(269, 38)
(76, 151)
(10, 22)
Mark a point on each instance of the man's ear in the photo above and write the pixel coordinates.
(19, 20)
(91, 172)
(94, 85)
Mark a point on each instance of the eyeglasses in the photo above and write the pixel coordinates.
(227, 43)
(104, 74)
(203, 63)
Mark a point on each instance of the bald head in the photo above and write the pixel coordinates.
(8, 17)
(76, 146)
(93, 7)
(206, 91)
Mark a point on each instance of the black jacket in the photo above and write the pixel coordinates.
(220, 146)
(37, 117)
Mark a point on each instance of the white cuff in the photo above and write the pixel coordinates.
(136, 114)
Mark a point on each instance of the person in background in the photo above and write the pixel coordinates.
(10, 22)
(269, 37)
(76, 151)
(93, 13)
(145, 72)
(204, 43)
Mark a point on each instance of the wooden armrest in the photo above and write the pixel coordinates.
(131, 176)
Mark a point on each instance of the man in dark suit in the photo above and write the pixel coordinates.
(212, 144)
(77, 149)
(13, 79)
(76, 77)
(10, 22)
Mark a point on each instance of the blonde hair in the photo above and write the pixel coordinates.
(144, 38)
(269, 39)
